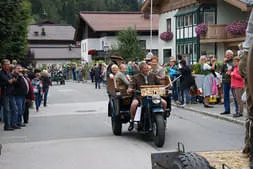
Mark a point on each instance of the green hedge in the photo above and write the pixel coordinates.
(196, 68)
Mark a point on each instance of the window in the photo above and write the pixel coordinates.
(178, 49)
(181, 49)
(181, 21)
(142, 44)
(190, 20)
(103, 44)
(169, 25)
(209, 17)
(186, 49)
(166, 55)
(190, 48)
(178, 22)
(186, 20)
(194, 19)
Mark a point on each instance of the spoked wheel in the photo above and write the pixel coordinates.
(116, 125)
(159, 130)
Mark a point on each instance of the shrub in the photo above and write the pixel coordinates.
(196, 68)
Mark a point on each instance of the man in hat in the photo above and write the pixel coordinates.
(116, 59)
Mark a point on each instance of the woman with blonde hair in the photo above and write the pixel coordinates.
(209, 80)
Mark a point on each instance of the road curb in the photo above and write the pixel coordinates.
(222, 117)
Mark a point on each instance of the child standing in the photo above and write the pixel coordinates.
(37, 90)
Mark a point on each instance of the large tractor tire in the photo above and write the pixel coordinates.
(116, 125)
(190, 161)
(159, 130)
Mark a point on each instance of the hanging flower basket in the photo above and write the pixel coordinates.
(166, 36)
(201, 29)
(236, 28)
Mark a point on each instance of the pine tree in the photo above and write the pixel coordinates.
(129, 45)
(14, 20)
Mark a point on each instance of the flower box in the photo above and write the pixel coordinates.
(166, 36)
(236, 28)
(201, 29)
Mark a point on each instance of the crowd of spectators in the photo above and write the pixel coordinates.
(220, 83)
(19, 87)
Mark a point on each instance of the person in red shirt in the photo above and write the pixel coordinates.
(237, 84)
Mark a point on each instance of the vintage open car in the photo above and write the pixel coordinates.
(153, 115)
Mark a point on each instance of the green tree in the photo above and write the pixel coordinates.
(14, 20)
(129, 45)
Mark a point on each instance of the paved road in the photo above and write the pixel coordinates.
(74, 132)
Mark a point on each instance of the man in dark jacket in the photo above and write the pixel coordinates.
(46, 82)
(21, 89)
(226, 70)
(5, 83)
(29, 97)
(142, 78)
(186, 81)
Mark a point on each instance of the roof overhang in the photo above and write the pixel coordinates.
(239, 4)
(156, 6)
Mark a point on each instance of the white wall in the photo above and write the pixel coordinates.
(220, 51)
(39, 63)
(163, 28)
(111, 41)
(227, 13)
(86, 45)
(155, 43)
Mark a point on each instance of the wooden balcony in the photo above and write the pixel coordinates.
(217, 33)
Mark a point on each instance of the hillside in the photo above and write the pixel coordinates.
(66, 11)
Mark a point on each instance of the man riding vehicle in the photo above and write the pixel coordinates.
(143, 78)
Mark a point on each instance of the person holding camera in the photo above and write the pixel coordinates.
(5, 82)
(21, 89)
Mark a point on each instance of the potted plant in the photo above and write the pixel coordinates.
(236, 28)
(201, 29)
(166, 36)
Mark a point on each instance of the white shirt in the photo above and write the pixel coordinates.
(206, 66)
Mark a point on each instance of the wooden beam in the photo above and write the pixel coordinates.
(238, 4)
(222, 40)
(176, 4)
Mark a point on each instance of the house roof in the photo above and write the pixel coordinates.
(161, 6)
(248, 2)
(116, 21)
(56, 53)
(52, 32)
(244, 5)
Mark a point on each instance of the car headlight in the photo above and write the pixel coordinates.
(156, 99)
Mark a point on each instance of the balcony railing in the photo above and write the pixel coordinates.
(217, 33)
